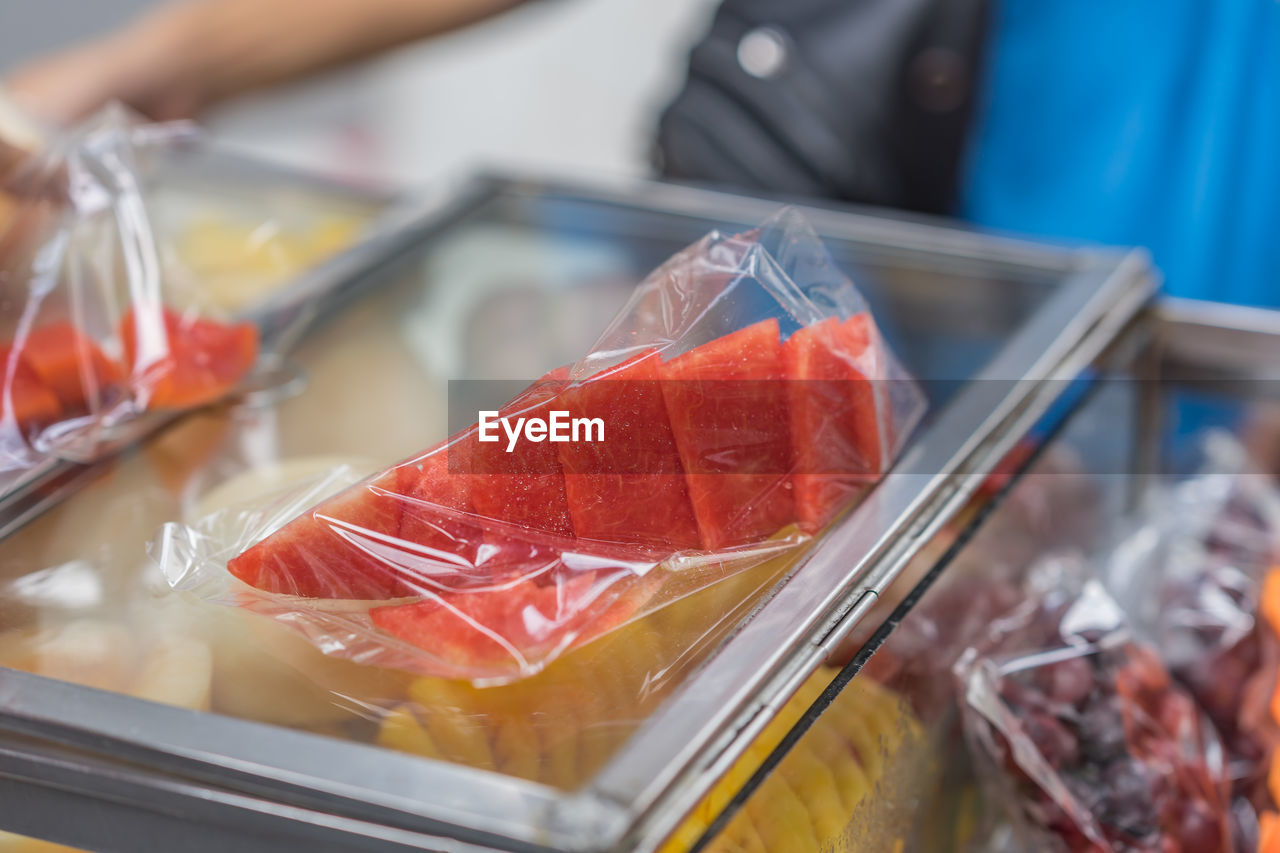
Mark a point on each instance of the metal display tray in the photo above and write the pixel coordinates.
(994, 327)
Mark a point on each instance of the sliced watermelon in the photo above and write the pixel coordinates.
(526, 486)
(342, 548)
(438, 525)
(505, 629)
(179, 361)
(728, 411)
(858, 334)
(25, 400)
(629, 488)
(835, 439)
(72, 365)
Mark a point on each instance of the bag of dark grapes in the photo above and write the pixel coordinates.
(1080, 736)
(1192, 577)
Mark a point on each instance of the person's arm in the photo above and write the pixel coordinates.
(183, 57)
(10, 157)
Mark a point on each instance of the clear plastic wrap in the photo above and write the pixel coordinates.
(122, 266)
(744, 399)
(100, 327)
(1080, 733)
(1191, 573)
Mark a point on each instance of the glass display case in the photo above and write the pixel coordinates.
(165, 722)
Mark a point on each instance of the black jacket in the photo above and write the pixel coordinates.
(867, 101)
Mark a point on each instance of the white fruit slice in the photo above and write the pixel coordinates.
(176, 671)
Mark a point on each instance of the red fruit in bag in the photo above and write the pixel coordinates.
(526, 486)
(495, 628)
(835, 433)
(178, 361)
(346, 547)
(71, 364)
(439, 524)
(728, 409)
(629, 488)
(24, 397)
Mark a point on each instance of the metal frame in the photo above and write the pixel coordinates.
(1210, 337)
(675, 757)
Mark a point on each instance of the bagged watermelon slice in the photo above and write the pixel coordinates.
(335, 550)
(631, 487)
(99, 304)
(728, 406)
(739, 413)
(526, 488)
(73, 366)
(836, 434)
(483, 631)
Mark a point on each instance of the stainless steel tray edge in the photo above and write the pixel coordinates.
(927, 501)
(126, 731)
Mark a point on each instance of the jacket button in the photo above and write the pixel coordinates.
(938, 79)
(762, 52)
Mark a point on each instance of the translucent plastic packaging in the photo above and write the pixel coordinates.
(101, 324)
(1192, 574)
(1080, 733)
(739, 402)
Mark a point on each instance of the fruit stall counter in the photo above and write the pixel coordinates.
(160, 721)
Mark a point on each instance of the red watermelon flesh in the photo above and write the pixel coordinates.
(629, 488)
(525, 487)
(448, 544)
(25, 400)
(71, 365)
(728, 409)
(503, 630)
(335, 550)
(858, 334)
(179, 361)
(443, 537)
(835, 439)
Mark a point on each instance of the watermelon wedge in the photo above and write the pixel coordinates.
(71, 365)
(25, 400)
(499, 631)
(835, 437)
(180, 361)
(629, 488)
(526, 487)
(441, 537)
(728, 411)
(337, 549)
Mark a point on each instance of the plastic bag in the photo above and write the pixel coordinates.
(1191, 572)
(100, 327)
(1080, 733)
(739, 402)
(122, 261)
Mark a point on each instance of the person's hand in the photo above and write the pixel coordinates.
(10, 158)
(141, 65)
(185, 56)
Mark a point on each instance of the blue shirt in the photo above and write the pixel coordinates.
(1142, 122)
